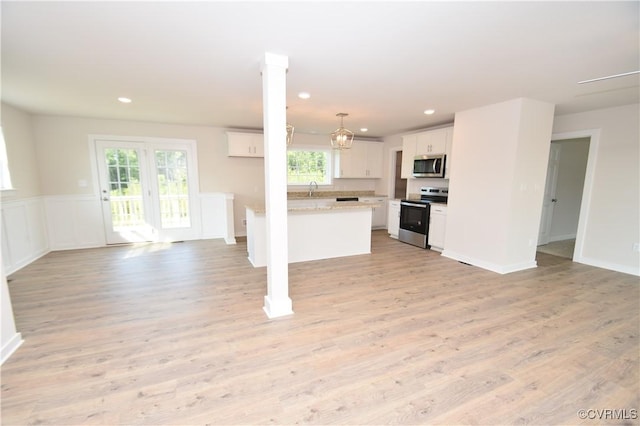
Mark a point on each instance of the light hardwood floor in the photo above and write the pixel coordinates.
(175, 334)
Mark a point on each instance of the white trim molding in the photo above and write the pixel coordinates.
(74, 222)
(217, 216)
(9, 337)
(10, 347)
(585, 205)
(24, 232)
(490, 266)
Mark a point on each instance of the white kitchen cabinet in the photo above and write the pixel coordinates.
(379, 214)
(393, 218)
(429, 142)
(245, 144)
(432, 142)
(363, 160)
(437, 222)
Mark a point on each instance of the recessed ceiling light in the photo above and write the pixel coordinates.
(429, 111)
(364, 129)
(304, 95)
(124, 100)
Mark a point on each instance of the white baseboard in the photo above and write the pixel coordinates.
(10, 347)
(490, 266)
(561, 237)
(608, 265)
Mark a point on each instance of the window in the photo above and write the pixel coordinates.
(5, 177)
(306, 165)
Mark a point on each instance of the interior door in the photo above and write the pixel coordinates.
(124, 192)
(549, 199)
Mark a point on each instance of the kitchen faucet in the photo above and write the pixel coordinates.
(311, 187)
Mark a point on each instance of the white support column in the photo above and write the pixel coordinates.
(274, 98)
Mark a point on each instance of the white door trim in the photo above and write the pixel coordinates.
(585, 205)
(391, 184)
(194, 182)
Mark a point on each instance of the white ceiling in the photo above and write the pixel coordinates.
(384, 63)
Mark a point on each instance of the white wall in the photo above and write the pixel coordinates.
(572, 166)
(63, 140)
(17, 127)
(611, 218)
(496, 187)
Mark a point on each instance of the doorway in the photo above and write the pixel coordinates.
(563, 196)
(148, 190)
(399, 185)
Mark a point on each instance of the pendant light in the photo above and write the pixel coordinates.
(290, 130)
(342, 138)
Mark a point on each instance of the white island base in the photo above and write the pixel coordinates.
(314, 233)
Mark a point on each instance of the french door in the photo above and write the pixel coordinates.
(147, 190)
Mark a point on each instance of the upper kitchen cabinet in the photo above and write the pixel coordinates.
(245, 144)
(363, 160)
(430, 142)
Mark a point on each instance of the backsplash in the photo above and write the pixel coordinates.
(330, 194)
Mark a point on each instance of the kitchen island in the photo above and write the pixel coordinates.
(316, 230)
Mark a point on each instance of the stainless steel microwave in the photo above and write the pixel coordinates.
(431, 166)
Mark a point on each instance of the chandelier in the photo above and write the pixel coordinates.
(341, 138)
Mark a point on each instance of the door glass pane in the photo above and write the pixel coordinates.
(173, 187)
(124, 182)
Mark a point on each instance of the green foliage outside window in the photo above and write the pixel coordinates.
(304, 166)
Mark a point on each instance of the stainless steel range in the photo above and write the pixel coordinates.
(414, 216)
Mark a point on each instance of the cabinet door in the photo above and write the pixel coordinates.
(363, 160)
(358, 160)
(350, 163)
(393, 218)
(374, 160)
(341, 163)
(431, 142)
(408, 152)
(258, 144)
(245, 144)
(437, 222)
(378, 214)
(379, 218)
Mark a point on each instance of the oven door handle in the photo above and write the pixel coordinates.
(422, 206)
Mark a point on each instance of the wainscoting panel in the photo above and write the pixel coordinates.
(24, 236)
(217, 216)
(33, 227)
(74, 222)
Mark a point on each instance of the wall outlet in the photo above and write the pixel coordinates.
(244, 222)
(636, 246)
